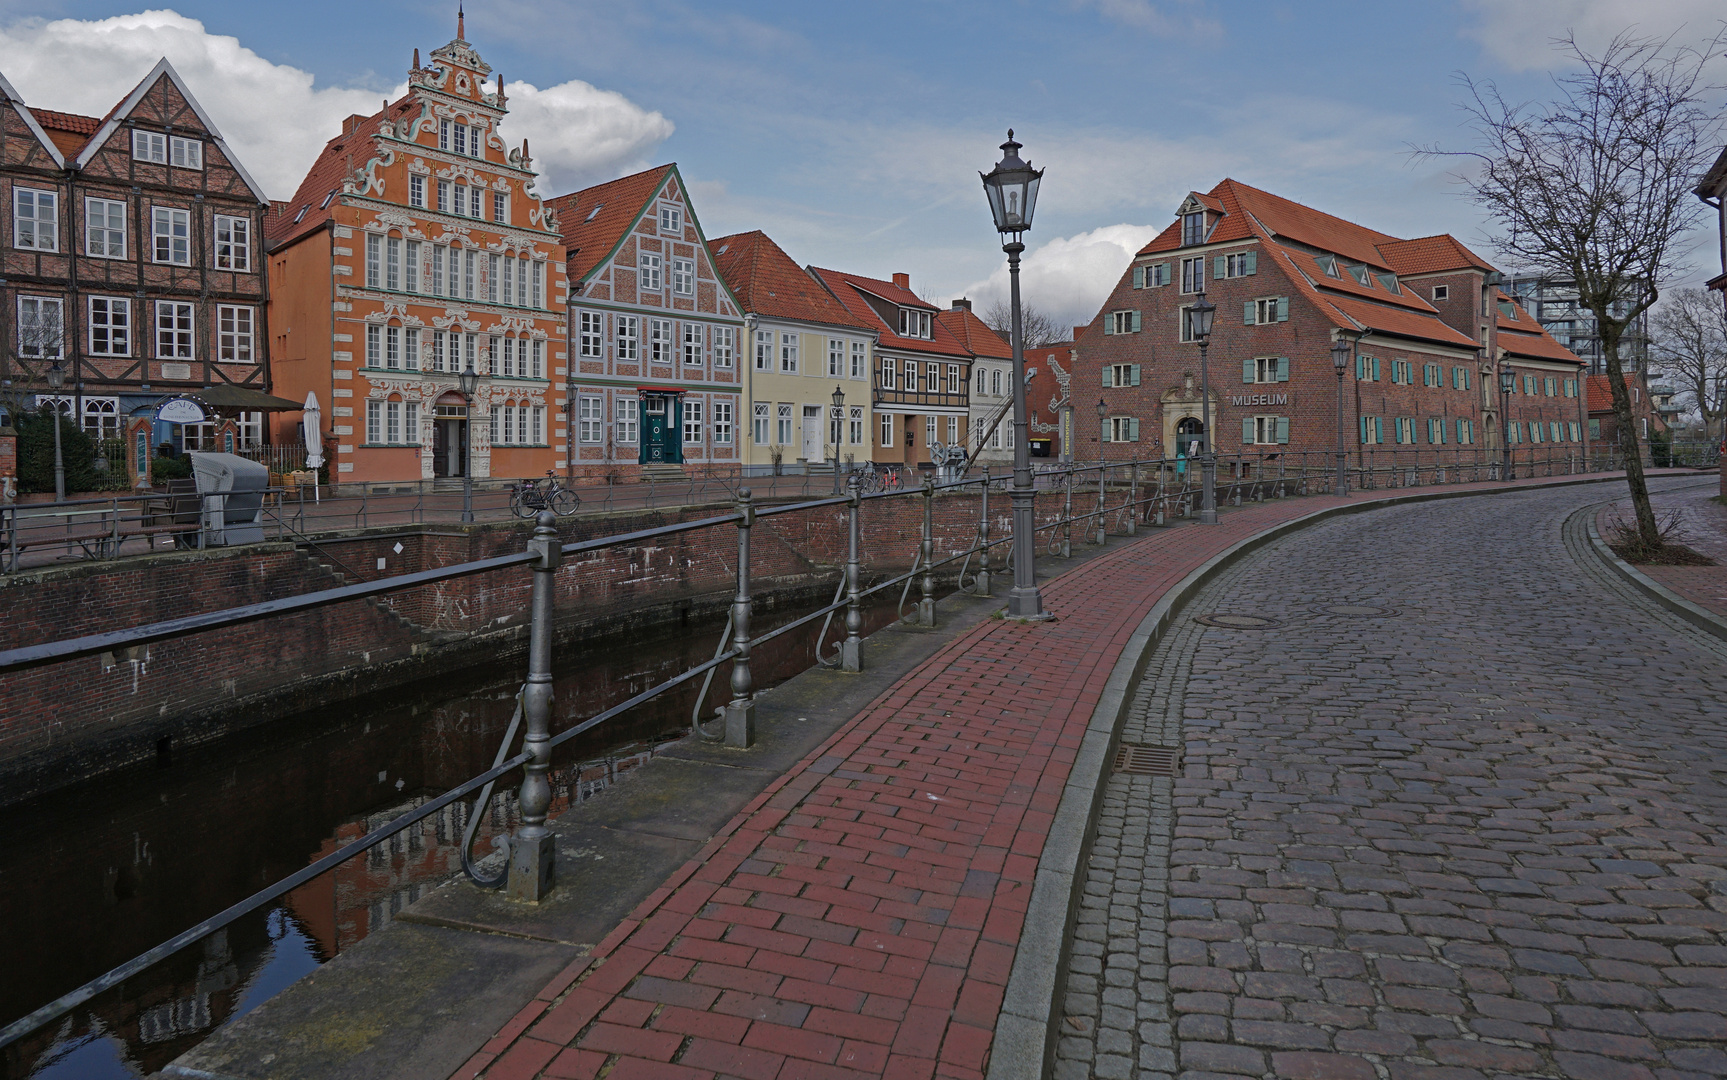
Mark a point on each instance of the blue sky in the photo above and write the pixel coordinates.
(853, 133)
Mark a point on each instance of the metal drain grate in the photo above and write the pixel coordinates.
(1229, 621)
(1144, 760)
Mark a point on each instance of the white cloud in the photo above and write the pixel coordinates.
(1069, 277)
(273, 115)
(1520, 36)
(1152, 18)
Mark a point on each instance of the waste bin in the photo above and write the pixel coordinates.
(236, 516)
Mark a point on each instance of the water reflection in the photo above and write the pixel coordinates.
(91, 877)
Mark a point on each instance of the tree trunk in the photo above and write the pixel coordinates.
(1647, 531)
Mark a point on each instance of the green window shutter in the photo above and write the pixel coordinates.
(1104, 434)
(1107, 375)
(1133, 429)
(1378, 430)
(1375, 369)
(1133, 373)
(1361, 367)
(1397, 429)
(1283, 369)
(1219, 268)
(1163, 273)
(1139, 277)
(1247, 371)
(1247, 313)
(1109, 322)
(1283, 309)
(1252, 259)
(1364, 429)
(1465, 378)
(1247, 430)
(1136, 322)
(1283, 429)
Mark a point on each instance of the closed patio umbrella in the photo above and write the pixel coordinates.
(310, 418)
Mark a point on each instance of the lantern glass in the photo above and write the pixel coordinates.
(1507, 380)
(1340, 355)
(469, 380)
(839, 398)
(1200, 316)
(1101, 408)
(56, 376)
(1012, 189)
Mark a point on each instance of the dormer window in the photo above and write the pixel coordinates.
(1193, 228)
(671, 219)
(1506, 309)
(914, 323)
(1388, 282)
(595, 212)
(1359, 273)
(1328, 263)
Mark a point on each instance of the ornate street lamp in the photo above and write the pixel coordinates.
(1199, 321)
(838, 428)
(1507, 382)
(1342, 351)
(1012, 190)
(1101, 409)
(469, 381)
(56, 382)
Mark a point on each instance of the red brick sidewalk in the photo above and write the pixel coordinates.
(860, 917)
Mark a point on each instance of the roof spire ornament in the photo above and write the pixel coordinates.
(416, 59)
(461, 33)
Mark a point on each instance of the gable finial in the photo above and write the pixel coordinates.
(461, 32)
(416, 59)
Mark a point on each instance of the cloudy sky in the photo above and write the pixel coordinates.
(853, 133)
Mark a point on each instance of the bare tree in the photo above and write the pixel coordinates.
(1037, 327)
(1690, 347)
(1596, 185)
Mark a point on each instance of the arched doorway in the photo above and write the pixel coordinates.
(1189, 437)
(450, 436)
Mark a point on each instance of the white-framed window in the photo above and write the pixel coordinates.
(374, 421)
(995, 382)
(374, 346)
(174, 338)
(694, 333)
(914, 323)
(953, 429)
(539, 285)
(1575, 431)
(889, 373)
(1269, 429)
(1241, 264)
(110, 322)
(1268, 309)
(537, 358)
(171, 231)
(982, 381)
(1442, 293)
(1193, 275)
(537, 425)
(887, 430)
(1122, 322)
(725, 342)
(504, 356)
(411, 266)
(764, 350)
(35, 219)
(857, 425)
(1265, 369)
(435, 271)
(374, 261)
(185, 153)
(590, 419)
(836, 358)
(1465, 431)
(671, 219)
(624, 418)
(470, 271)
(444, 196)
(660, 345)
(783, 436)
(684, 277)
(1193, 228)
(501, 206)
(648, 270)
(475, 199)
(105, 228)
(508, 265)
(692, 422)
(759, 432)
(234, 330)
(493, 267)
(417, 190)
(42, 327)
(788, 353)
(101, 419)
(233, 243)
(1118, 429)
(393, 264)
(441, 357)
(929, 430)
(393, 421)
(910, 373)
(151, 146)
(629, 340)
(858, 361)
(411, 348)
(722, 423)
(591, 326)
(955, 379)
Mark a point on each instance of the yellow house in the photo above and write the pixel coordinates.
(803, 353)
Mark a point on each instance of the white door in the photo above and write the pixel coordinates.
(813, 433)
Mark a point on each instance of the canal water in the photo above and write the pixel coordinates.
(101, 872)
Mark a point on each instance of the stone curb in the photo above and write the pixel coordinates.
(1025, 1035)
(1695, 614)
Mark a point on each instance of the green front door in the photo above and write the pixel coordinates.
(661, 441)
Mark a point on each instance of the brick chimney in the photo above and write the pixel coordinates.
(962, 304)
(351, 123)
(902, 280)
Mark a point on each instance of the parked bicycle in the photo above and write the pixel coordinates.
(531, 496)
(878, 477)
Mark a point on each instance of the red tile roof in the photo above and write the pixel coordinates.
(975, 334)
(69, 131)
(767, 282)
(311, 201)
(1244, 205)
(1601, 394)
(1431, 254)
(594, 220)
(849, 290)
(1345, 282)
(1400, 321)
(1521, 335)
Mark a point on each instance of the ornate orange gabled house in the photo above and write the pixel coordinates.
(415, 249)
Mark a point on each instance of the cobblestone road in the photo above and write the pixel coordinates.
(1480, 834)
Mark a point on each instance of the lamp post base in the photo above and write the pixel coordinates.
(530, 877)
(1026, 605)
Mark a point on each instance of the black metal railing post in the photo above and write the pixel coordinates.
(851, 651)
(532, 848)
(926, 554)
(981, 585)
(741, 710)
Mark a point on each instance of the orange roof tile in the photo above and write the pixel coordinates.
(1601, 392)
(849, 290)
(767, 282)
(69, 131)
(1431, 254)
(1521, 335)
(1400, 321)
(1283, 218)
(594, 220)
(311, 201)
(975, 334)
(1345, 282)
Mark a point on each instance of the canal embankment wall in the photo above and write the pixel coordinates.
(73, 720)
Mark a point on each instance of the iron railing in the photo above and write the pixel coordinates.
(1129, 493)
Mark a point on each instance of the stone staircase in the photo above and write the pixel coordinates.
(338, 577)
(662, 474)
